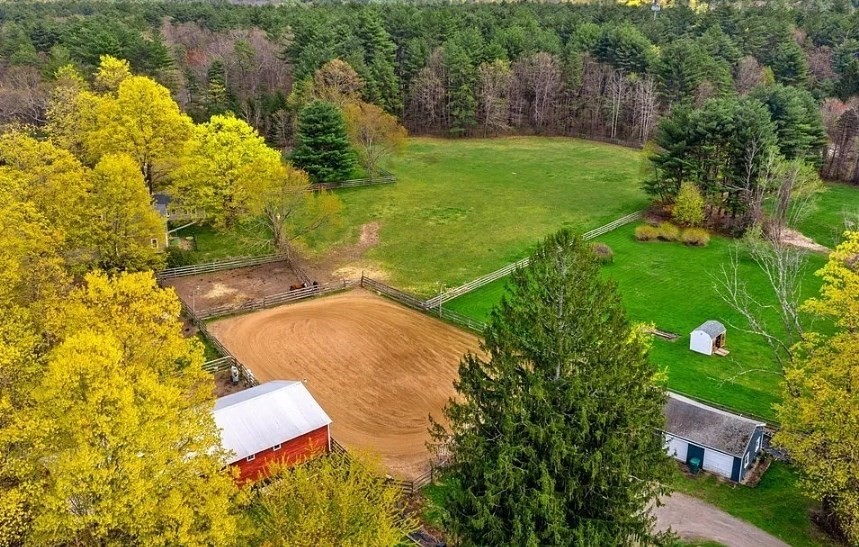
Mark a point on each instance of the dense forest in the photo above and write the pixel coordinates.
(598, 71)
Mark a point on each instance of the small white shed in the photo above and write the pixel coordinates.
(708, 339)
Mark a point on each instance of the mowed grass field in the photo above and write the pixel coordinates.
(461, 208)
(832, 211)
(673, 286)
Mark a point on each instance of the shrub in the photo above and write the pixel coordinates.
(689, 206)
(646, 232)
(668, 232)
(604, 253)
(695, 236)
(178, 257)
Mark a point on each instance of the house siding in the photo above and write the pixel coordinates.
(751, 450)
(290, 452)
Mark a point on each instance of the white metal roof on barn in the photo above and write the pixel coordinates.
(260, 417)
(713, 328)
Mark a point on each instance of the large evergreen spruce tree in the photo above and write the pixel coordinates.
(555, 435)
(322, 147)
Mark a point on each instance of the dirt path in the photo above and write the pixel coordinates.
(693, 519)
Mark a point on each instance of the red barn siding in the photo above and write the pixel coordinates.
(291, 451)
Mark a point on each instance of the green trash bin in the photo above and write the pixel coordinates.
(694, 465)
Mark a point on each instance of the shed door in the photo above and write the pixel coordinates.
(716, 462)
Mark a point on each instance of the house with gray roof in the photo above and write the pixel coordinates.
(723, 443)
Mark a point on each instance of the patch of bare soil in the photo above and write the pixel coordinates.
(224, 384)
(377, 368)
(234, 287)
(797, 239)
(348, 262)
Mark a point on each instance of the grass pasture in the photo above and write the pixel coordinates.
(827, 217)
(463, 208)
(672, 286)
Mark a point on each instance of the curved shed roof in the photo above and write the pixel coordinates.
(713, 328)
(260, 417)
(708, 426)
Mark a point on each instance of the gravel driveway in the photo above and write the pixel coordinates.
(694, 519)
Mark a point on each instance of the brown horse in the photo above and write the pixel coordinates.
(298, 286)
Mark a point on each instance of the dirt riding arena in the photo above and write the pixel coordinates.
(377, 368)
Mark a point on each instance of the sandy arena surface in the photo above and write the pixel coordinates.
(377, 368)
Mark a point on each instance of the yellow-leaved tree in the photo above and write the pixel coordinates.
(117, 444)
(55, 183)
(143, 121)
(374, 133)
(111, 72)
(332, 501)
(289, 210)
(223, 159)
(820, 409)
(128, 231)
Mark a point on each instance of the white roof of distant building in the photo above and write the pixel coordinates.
(260, 417)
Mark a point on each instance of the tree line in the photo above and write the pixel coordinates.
(599, 71)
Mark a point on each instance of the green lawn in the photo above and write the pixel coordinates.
(776, 505)
(825, 221)
(672, 286)
(462, 208)
(215, 245)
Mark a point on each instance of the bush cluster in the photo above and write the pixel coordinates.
(666, 231)
(603, 252)
(697, 237)
(646, 232)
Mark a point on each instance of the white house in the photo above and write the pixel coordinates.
(708, 339)
(723, 443)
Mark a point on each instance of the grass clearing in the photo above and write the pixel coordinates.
(826, 218)
(672, 286)
(463, 208)
(776, 505)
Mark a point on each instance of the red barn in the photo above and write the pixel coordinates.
(274, 422)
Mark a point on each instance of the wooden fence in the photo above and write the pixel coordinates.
(385, 177)
(217, 365)
(273, 300)
(475, 284)
(402, 297)
(219, 265)
(227, 358)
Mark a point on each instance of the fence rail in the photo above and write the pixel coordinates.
(273, 300)
(395, 294)
(219, 265)
(386, 177)
(217, 365)
(510, 268)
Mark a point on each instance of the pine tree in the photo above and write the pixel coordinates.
(555, 437)
(322, 148)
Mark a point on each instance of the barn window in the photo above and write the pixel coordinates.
(746, 460)
(760, 442)
(275, 447)
(154, 243)
(251, 458)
